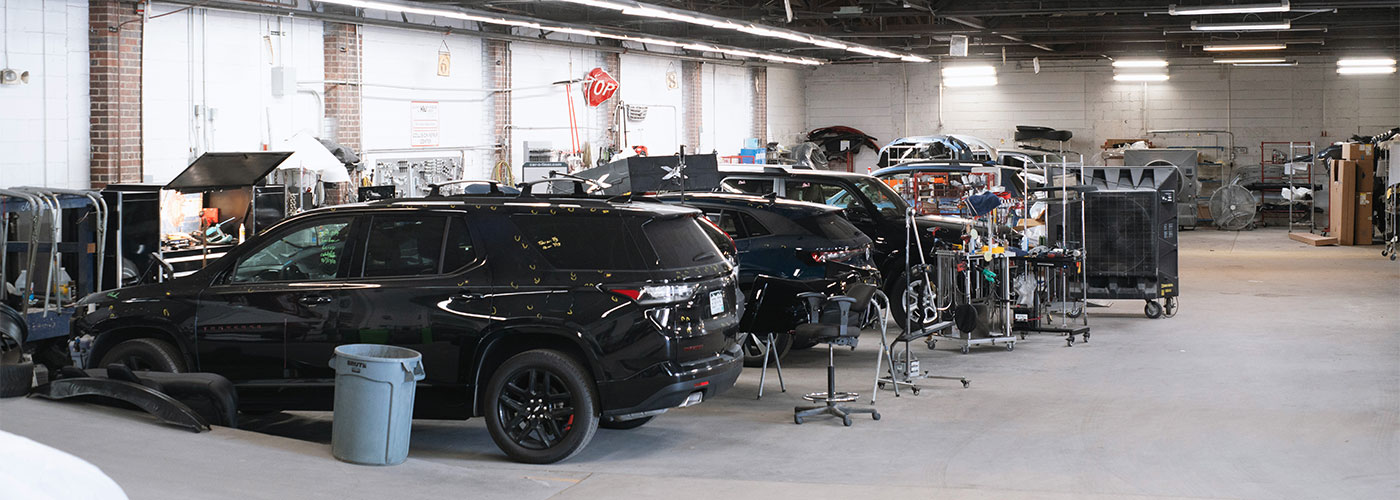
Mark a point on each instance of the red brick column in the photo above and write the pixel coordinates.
(342, 45)
(114, 82)
(497, 72)
(612, 63)
(692, 83)
(760, 105)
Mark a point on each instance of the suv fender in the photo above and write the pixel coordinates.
(500, 344)
(112, 335)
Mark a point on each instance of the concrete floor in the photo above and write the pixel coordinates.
(1280, 378)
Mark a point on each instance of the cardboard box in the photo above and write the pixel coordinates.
(1362, 230)
(1341, 208)
(1358, 152)
(1313, 239)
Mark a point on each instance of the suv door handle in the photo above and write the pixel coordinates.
(465, 295)
(312, 300)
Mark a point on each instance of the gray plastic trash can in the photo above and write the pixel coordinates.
(374, 386)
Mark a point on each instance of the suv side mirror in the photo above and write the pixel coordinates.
(857, 213)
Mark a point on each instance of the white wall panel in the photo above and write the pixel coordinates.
(400, 67)
(1305, 103)
(539, 109)
(727, 104)
(787, 104)
(44, 129)
(643, 82)
(207, 85)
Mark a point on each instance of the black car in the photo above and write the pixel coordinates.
(596, 310)
(785, 239)
(869, 204)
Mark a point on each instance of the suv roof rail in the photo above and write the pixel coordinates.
(579, 182)
(435, 190)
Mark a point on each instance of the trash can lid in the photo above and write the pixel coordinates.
(376, 352)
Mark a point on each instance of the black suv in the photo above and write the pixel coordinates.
(869, 204)
(546, 315)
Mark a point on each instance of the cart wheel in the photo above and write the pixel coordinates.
(1171, 307)
(1086, 336)
(882, 385)
(1011, 346)
(1392, 256)
(846, 421)
(916, 392)
(1152, 309)
(1075, 313)
(1069, 341)
(796, 419)
(875, 415)
(966, 383)
(1023, 336)
(965, 349)
(931, 344)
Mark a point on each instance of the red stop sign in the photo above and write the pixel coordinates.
(598, 86)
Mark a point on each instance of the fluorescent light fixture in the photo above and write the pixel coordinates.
(1260, 65)
(1365, 70)
(969, 71)
(1268, 26)
(1251, 60)
(660, 12)
(455, 14)
(1139, 63)
(1206, 10)
(1141, 77)
(1366, 61)
(969, 81)
(1241, 47)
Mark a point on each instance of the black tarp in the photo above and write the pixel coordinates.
(226, 170)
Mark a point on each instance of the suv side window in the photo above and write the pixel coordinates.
(726, 221)
(458, 252)
(820, 192)
(312, 252)
(747, 186)
(752, 227)
(403, 245)
(582, 241)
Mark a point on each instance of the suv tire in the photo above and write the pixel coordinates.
(541, 407)
(899, 302)
(145, 355)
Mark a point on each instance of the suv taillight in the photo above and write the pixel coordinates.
(824, 256)
(657, 294)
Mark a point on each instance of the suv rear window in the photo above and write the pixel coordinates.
(680, 242)
(583, 242)
(404, 245)
(830, 226)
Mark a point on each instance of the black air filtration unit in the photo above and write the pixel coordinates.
(1131, 225)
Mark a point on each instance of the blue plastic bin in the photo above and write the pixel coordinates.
(374, 387)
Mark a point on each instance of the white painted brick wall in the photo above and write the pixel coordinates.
(787, 104)
(1305, 103)
(44, 123)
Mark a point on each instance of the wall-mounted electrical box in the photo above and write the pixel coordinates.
(284, 81)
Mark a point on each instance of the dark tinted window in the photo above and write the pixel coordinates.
(752, 227)
(726, 221)
(404, 245)
(458, 252)
(724, 241)
(583, 242)
(679, 242)
(831, 226)
(309, 253)
(748, 186)
(819, 192)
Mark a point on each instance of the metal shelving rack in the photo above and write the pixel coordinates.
(1291, 169)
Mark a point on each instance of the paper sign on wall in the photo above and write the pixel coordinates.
(424, 125)
(444, 64)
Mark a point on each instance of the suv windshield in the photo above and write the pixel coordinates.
(886, 201)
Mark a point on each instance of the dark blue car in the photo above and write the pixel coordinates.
(785, 239)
